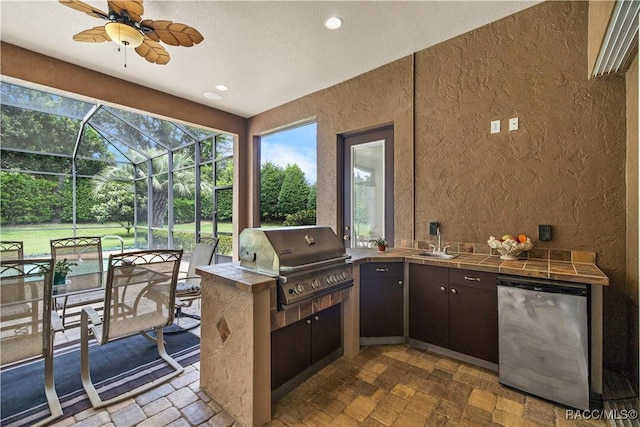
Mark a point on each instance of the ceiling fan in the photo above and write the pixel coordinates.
(127, 28)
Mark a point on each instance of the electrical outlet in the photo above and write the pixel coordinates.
(513, 124)
(544, 232)
(495, 126)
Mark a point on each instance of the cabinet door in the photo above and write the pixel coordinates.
(326, 332)
(474, 322)
(381, 300)
(429, 304)
(290, 351)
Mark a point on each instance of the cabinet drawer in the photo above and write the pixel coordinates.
(382, 269)
(477, 279)
(428, 273)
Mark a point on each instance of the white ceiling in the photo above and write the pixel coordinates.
(266, 52)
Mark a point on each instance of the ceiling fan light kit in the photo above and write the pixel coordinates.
(124, 34)
(126, 27)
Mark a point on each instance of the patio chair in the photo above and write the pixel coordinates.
(139, 295)
(11, 250)
(188, 288)
(27, 323)
(86, 277)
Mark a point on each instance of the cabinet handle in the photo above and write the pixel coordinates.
(453, 291)
(308, 321)
(400, 282)
(473, 279)
(442, 288)
(317, 318)
(382, 269)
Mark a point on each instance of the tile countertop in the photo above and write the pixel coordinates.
(578, 272)
(231, 274)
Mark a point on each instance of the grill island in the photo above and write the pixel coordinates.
(284, 275)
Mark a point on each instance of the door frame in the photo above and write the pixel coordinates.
(346, 140)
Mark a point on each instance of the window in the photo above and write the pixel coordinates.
(288, 164)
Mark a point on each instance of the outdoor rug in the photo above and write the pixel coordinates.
(115, 367)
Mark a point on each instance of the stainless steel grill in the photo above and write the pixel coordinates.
(307, 261)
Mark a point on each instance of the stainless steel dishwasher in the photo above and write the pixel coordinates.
(543, 339)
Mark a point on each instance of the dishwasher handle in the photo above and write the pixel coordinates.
(543, 285)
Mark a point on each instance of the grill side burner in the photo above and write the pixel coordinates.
(308, 262)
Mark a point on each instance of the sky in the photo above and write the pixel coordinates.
(292, 146)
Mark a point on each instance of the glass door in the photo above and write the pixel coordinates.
(368, 188)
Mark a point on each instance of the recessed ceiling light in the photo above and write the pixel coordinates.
(222, 88)
(333, 23)
(213, 95)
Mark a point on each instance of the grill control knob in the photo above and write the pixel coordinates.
(298, 289)
(315, 284)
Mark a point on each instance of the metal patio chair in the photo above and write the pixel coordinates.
(86, 277)
(11, 250)
(139, 295)
(27, 322)
(188, 288)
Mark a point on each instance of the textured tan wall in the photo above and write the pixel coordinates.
(632, 215)
(564, 166)
(376, 98)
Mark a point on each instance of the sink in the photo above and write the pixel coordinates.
(437, 255)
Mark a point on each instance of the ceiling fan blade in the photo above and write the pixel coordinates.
(93, 35)
(172, 33)
(134, 8)
(153, 52)
(83, 7)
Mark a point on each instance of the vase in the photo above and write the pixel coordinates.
(59, 279)
(381, 248)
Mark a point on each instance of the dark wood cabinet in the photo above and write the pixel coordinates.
(299, 345)
(290, 351)
(326, 333)
(382, 299)
(455, 309)
(429, 304)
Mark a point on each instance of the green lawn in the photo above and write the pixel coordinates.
(36, 237)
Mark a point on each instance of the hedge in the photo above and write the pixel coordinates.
(187, 241)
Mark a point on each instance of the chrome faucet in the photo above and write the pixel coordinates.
(438, 250)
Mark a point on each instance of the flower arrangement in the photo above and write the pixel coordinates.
(510, 246)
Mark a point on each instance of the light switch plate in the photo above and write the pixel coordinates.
(513, 124)
(495, 126)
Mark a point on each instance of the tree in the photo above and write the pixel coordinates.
(183, 178)
(271, 179)
(45, 133)
(294, 191)
(311, 198)
(48, 197)
(114, 202)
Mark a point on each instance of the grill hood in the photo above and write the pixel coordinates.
(283, 250)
